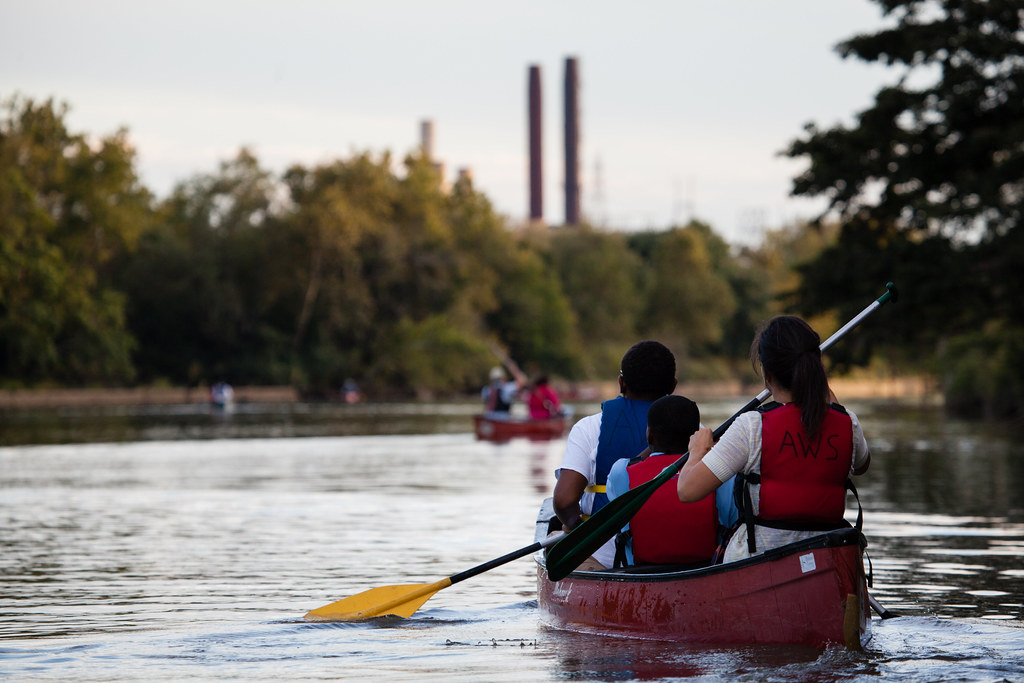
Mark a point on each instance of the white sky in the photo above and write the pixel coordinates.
(684, 104)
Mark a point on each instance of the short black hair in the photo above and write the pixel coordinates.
(649, 370)
(671, 420)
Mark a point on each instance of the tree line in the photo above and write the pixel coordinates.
(348, 269)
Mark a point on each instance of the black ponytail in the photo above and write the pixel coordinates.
(788, 348)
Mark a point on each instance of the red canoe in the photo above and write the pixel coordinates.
(498, 429)
(812, 593)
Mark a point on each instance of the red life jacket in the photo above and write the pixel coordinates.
(665, 530)
(802, 481)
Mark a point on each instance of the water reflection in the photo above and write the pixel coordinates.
(197, 557)
(244, 420)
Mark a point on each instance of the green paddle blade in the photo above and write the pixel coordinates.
(401, 601)
(584, 540)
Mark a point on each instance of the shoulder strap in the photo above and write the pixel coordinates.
(860, 511)
(748, 518)
(839, 408)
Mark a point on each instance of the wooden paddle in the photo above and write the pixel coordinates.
(404, 600)
(581, 542)
(517, 373)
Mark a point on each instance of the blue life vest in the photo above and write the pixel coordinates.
(623, 435)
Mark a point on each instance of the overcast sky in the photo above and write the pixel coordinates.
(684, 104)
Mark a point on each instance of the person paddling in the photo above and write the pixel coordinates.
(647, 372)
(542, 401)
(500, 393)
(794, 455)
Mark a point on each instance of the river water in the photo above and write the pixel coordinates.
(171, 543)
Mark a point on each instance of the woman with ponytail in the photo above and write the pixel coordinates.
(792, 457)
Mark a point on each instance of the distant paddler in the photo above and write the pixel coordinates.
(500, 393)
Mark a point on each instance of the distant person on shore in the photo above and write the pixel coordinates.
(647, 372)
(350, 391)
(793, 456)
(500, 393)
(665, 530)
(542, 401)
(221, 394)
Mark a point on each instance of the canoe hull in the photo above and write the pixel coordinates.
(491, 429)
(814, 596)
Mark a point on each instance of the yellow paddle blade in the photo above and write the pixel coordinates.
(402, 601)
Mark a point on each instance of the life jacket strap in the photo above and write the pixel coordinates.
(746, 508)
(622, 539)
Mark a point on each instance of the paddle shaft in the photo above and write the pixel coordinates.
(586, 538)
(890, 294)
(510, 365)
(504, 559)
(882, 611)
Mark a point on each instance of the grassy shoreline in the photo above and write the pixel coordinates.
(845, 389)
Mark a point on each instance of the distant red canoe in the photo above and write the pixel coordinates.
(812, 593)
(494, 429)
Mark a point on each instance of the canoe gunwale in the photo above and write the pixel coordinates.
(652, 573)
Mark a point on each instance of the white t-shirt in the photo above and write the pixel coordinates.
(739, 450)
(581, 456)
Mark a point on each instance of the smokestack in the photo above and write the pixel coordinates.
(572, 141)
(427, 138)
(536, 148)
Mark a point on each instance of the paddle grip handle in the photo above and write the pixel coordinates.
(890, 294)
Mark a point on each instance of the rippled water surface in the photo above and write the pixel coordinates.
(187, 545)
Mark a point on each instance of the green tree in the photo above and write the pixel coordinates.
(929, 183)
(533, 316)
(69, 206)
(403, 282)
(600, 276)
(944, 157)
(767, 280)
(687, 300)
(336, 249)
(197, 284)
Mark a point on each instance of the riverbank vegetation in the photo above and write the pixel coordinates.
(358, 268)
(373, 268)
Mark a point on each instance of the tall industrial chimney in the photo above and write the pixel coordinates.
(572, 142)
(536, 148)
(427, 138)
